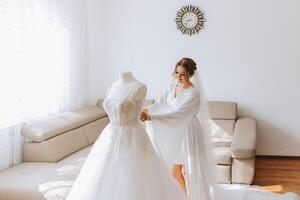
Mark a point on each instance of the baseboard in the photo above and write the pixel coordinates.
(277, 157)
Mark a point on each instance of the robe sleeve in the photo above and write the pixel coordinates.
(161, 101)
(188, 107)
(167, 128)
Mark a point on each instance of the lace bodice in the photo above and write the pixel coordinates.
(123, 112)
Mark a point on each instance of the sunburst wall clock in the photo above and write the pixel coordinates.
(189, 20)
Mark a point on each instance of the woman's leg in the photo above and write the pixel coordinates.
(178, 173)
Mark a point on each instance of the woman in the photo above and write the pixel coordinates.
(178, 126)
(176, 132)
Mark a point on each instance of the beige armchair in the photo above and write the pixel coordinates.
(234, 142)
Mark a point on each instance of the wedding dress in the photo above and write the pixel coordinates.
(123, 164)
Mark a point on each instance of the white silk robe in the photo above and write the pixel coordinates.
(173, 119)
(176, 132)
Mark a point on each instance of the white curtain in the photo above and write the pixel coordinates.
(43, 65)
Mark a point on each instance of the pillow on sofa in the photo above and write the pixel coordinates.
(219, 136)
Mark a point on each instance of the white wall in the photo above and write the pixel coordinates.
(248, 53)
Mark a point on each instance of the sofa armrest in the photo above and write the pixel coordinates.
(244, 138)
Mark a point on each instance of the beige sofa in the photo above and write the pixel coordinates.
(52, 159)
(59, 144)
(234, 143)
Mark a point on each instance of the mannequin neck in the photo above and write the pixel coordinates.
(122, 87)
(126, 76)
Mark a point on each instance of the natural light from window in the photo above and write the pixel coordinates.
(33, 56)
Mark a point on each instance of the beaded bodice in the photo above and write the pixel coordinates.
(123, 112)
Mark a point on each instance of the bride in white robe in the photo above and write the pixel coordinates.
(175, 130)
(178, 141)
(177, 124)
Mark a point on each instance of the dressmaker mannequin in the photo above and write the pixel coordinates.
(121, 88)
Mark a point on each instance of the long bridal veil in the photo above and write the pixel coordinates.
(200, 161)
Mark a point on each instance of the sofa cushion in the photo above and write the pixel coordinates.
(243, 170)
(221, 142)
(46, 179)
(99, 103)
(223, 174)
(93, 129)
(244, 139)
(47, 127)
(56, 148)
(222, 110)
(223, 155)
(14, 181)
(222, 128)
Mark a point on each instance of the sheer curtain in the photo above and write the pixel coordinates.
(42, 67)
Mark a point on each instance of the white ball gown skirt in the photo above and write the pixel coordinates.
(123, 165)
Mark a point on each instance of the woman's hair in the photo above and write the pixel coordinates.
(189, 65)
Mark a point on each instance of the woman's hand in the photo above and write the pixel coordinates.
(145, 116)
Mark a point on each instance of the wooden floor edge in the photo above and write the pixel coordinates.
(277, 157)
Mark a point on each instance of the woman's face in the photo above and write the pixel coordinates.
(181, 74)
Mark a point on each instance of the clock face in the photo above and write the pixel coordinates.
(190, 20)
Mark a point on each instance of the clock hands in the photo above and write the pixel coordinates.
(186, 21)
